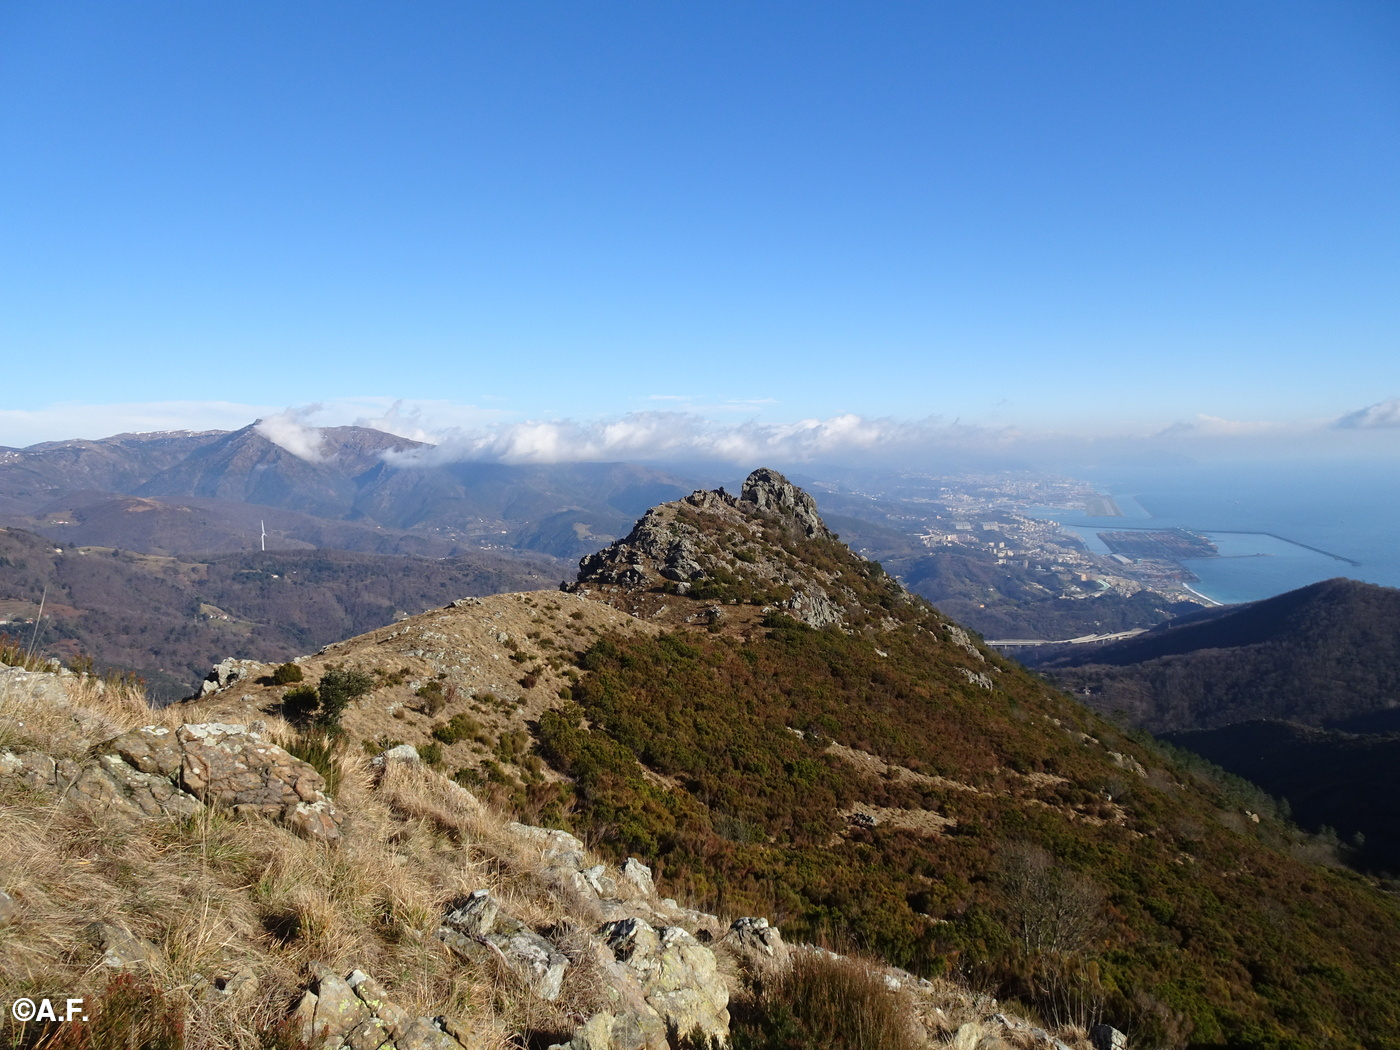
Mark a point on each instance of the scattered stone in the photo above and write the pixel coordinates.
(9, 908)
(121, 949)
(242, 985)
(637, 873)
(1106, 1037)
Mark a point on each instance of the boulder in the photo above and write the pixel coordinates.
(639, 875)
(226, 766)
(1106, 1037)
(226, 672)
(758, 945)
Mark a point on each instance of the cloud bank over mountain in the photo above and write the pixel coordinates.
(290, 430)
(462, 432)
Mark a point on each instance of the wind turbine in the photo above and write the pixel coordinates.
(263, 524)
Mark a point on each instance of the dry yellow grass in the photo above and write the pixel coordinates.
(216, 894)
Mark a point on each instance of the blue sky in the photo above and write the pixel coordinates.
(1031, 218)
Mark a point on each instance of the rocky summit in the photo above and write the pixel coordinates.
(732, 784)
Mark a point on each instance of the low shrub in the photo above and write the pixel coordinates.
(460, 727)
(130, 1012)
(287, 674)
(828, 1001)
(299, 703)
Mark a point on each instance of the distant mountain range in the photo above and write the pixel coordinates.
(1320, 654)
(194, 489)
(1299, 693)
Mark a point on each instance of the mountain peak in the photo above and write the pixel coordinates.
(738, 557)
(772, 493)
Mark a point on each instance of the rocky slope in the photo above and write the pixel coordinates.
(243, 908)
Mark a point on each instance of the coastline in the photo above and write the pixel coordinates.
(1204, 597)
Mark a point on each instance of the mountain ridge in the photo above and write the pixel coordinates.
(883, 778)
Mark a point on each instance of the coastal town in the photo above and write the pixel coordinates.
(1011, 518)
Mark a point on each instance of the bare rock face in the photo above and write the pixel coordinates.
(155, 771)
(773, 494)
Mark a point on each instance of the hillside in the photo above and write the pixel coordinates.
(168, 618)
(1323, 653)
(1344, 781)
(783, 730)
(351, 487)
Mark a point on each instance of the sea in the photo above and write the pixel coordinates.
(1277, 526)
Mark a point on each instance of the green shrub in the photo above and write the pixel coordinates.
(460, 727)
(298, 703)
(338, 688)
(431, 754)
(433, 697)
(287, 674)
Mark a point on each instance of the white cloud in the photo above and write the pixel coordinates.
(289, 430)
(1381, 415)
(684, 435)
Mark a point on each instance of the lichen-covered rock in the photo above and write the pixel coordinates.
(627, 1031)
(677, 974)
(108, 783)
(226, 766)
(478, 927)
(639, 875)
(155, 771)
(757, 944)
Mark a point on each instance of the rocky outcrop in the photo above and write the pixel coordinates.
(156, 771)
(774, 495)
(355, 1013)
(757, 945)
(678, 975)
(714, 545)
(226, 672)
(478, 929)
